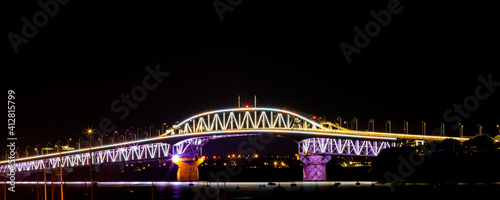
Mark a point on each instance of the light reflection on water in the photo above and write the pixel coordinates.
(178, 190)
(208, 190)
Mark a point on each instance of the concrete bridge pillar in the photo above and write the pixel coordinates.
(314, 167)
(188, 168)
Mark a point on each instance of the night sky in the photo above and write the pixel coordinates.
(427, 58)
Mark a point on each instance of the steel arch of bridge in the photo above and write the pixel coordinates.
(245, 119)
(229, 122)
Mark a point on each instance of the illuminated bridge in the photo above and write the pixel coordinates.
(317, 141)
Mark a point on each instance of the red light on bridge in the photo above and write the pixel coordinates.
(314, 117)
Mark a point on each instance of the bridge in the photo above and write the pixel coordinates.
(317, 141)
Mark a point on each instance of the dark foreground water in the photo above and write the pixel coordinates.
(247, 190)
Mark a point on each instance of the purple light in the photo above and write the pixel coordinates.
(315, 167)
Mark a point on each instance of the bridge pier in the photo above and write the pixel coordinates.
(314, 167)
(188, 169)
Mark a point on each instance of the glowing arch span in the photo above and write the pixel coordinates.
(247, 119)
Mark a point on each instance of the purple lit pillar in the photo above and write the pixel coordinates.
(314, 167)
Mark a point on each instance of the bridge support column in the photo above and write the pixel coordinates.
(314, 167)
(188, 169)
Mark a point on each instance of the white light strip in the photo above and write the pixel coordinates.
(400, 135)
(282, 131)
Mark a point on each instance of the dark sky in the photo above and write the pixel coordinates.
(426, 59)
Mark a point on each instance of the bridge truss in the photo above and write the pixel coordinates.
(245, 119)
(350, 147)
(122, 154)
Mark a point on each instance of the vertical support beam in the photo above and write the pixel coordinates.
(388, 126)
(424, 128)
(354, 124)
(287, 121)
(348, 146)
(371, 125)
(461, 129)
(216, 117)
(255, 119)
(247, 116)
(442, 129)
(271, 125)
(209, 128)
(405, 127)
(231, 120)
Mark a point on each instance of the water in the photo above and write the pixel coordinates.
(241, 190)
